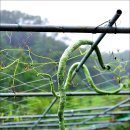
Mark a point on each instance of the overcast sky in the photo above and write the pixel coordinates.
(81, 13)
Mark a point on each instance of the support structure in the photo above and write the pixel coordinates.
(63, 29)
(44, 113)
(84, 59)
(70, 115)
(104, 112)
(49, 94)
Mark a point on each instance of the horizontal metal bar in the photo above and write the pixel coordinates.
(75, 123)
(63, 29)
(20, 116)
(89, 114)
(66, 115)
(56, 124)
(117, 105)
(100, 126)
(23, 126)
(48, 120)
(106, 111)
(93, 47)
(34, 116)
(95, 108)
(66, 119)
(48, 94)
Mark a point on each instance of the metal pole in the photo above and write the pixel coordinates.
(44, 113)
(68, 117)
(56, 125)
(49, 94)
(47, 120)
(63, 29)
(90, 115)
(100, 126)
(112, 21)
(95, 108)
(66, 111)
(105, 112)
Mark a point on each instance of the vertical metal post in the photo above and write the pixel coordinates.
(112, 21)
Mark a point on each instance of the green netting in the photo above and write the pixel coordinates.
(29, 63)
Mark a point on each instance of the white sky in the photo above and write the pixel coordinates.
(82, 13)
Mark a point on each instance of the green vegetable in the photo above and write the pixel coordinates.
(62, 84)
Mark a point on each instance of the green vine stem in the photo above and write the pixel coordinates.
(29, 65)
(89, 79)
(62, 84)
(51, 83)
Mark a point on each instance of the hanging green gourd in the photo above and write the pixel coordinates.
(63, 84)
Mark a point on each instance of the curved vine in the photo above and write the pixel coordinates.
(90, 80)
(51, 83)
(62, 84)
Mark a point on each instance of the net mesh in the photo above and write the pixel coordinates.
(23, 57)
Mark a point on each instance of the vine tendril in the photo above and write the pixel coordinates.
(62, 82)
(27, 65)
(51, 83)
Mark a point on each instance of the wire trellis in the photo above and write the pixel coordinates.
(84, 117)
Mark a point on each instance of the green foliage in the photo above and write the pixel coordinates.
(25, 55)
(36, 105)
